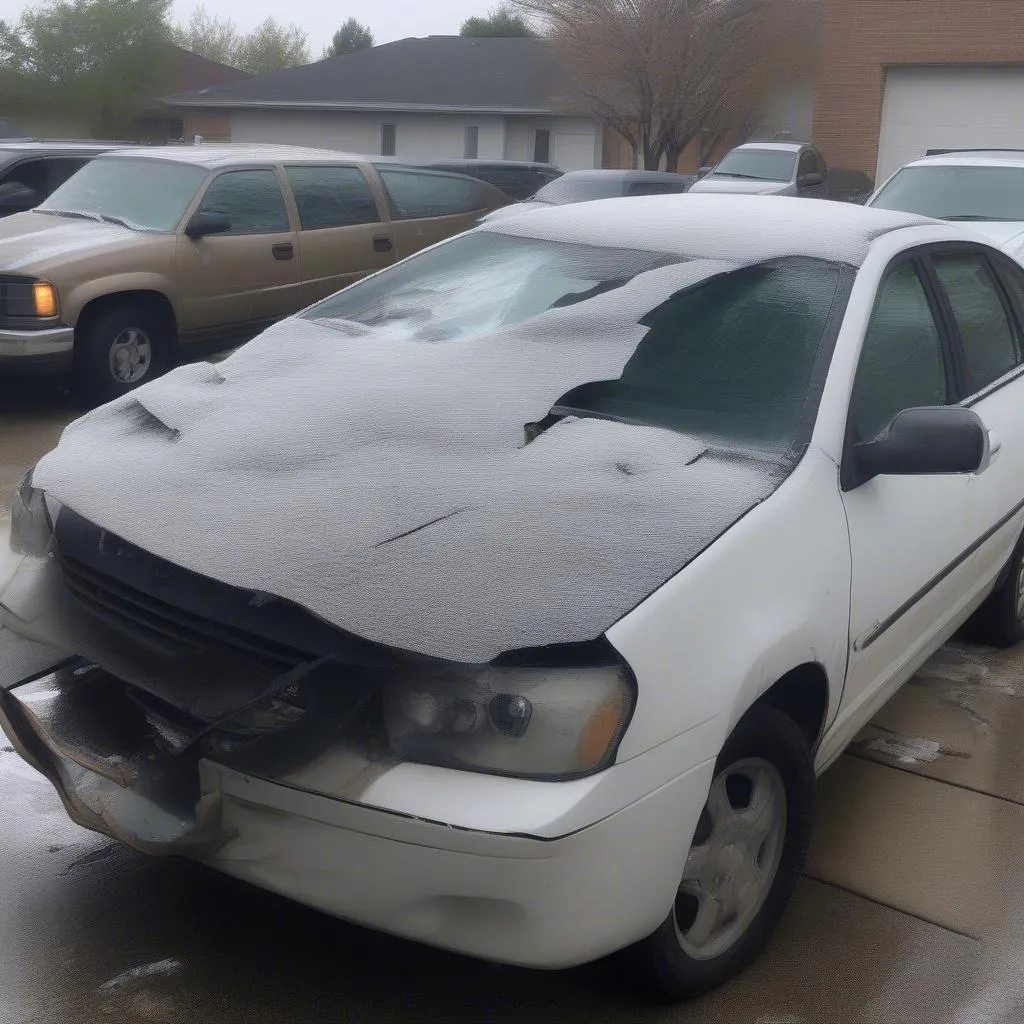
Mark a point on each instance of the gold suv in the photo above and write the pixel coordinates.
(143, 256)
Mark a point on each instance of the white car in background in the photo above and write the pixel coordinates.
(511, 599)
(983, 188)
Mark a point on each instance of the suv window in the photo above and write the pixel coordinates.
(901, 363)
(332, 197)
(990, 342)
(252, 199)
(416, 194)
(43, 175)
(657, 188)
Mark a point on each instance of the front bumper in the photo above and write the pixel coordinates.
(513, 898)
(36, 352)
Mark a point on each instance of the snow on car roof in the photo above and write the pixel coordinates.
(737, 228)
(229, 154)
(973, 158)
(786, 147)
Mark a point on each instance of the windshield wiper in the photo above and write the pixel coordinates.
(736, 174)
(110, 219)
(80, 214)
(975, 216)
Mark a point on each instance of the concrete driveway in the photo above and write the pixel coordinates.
(912, 911)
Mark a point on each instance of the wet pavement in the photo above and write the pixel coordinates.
(912, 911)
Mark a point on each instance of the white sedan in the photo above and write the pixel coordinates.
(511, 599)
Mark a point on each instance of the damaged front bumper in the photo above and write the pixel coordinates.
(248, 766)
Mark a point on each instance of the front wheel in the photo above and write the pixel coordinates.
(746, 856)
(123, 347)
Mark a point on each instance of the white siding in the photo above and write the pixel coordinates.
(575, 141)
(418, 136)
(949, 108)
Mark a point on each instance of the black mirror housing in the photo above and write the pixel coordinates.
(207, 222)
(810, 179)
(921, 442)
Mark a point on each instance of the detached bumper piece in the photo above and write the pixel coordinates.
(126, 763)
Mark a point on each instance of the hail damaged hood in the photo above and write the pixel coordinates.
(383, 484)
(34, 240)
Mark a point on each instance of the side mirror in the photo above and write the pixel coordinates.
(15, 197)
(207, 222)
(810, 179)
(922, 442)
(703, 172)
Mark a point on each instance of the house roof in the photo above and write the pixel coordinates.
(449, 73)
(188, 70)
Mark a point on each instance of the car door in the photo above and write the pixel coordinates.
(981, 292)
(343, 234)
(908, 534)
(428, 207)
(248, 276)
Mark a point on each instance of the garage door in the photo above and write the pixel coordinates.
(946, 108)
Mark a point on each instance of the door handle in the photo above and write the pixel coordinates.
(283, 250)
(382, 243)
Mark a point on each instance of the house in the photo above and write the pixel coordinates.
(416, 99)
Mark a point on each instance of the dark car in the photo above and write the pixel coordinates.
(518, 179)
(585, 186)
(31, 170)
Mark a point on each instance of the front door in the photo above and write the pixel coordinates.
(905, 531)
(342, 234)
(247, 277)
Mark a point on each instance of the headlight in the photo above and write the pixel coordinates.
(24, 296)
(30, 524)
(530, 721)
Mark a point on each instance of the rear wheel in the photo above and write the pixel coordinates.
(999, 622)
(121, 348)
(746, 856)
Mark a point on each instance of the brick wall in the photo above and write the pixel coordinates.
(214, 126)
(863, 37)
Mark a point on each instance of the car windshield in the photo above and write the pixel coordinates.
(146, 195)
(956, 193)
(758, 164)
(732, 354)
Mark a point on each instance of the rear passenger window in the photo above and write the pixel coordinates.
(332, 197)
(991, 345)
(252, 199)
(901, 362)
(415, 195)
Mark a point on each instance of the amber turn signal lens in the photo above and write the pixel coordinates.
(600, 732)
(46, 299)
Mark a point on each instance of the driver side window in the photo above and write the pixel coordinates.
(901, 363)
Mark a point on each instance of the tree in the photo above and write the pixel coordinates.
(501, 22)
(103, 60)
(663, 72)
(352, 36)
(212, 37)
(269, 47)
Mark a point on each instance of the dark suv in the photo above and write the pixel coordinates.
(31, 169)
(518, 179)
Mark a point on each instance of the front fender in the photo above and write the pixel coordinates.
(769, 595)
(82, 294)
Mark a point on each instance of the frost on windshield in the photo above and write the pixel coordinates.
(372, 461)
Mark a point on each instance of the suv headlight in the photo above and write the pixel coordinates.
(527, 720)
(27, 297)
(30, 523)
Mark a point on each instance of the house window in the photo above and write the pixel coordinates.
(542, 146)
(388, 140)
(471, 144)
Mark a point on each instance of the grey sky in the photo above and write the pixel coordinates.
(388, 19)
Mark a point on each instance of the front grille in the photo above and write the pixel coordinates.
(134, 611)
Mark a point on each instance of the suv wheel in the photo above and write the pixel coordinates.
(999, 622)
(746, 856)
(123, 347)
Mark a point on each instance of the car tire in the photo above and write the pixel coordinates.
(765, 761)
(999, 622)
(122, 348)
